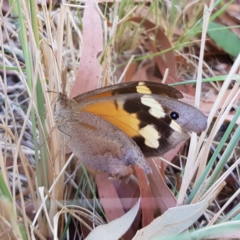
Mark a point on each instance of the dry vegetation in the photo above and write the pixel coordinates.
(44, 192)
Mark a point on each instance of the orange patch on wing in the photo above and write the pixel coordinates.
(116, 115)
(128, 124)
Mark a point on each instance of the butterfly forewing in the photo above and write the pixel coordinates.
(141, 117)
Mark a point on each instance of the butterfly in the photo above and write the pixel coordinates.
(112, 128)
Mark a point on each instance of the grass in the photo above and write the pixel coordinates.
(37, 181)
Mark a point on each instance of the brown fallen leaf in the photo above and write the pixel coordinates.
(110, 200)
(147, 201)
(161, 193)
(89, 70)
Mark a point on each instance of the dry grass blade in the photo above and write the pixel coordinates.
(45, 193)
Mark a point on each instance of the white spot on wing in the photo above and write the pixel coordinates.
(156, 109)
(175, 126)
(151, 136)
(143, 89)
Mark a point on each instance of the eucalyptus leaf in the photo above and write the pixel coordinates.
(174, 221)
(116, 228)
(224, 38)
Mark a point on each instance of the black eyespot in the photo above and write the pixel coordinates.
(174, 115)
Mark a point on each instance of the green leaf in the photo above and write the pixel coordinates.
(224, 38)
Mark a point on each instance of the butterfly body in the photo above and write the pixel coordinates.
(112, 128)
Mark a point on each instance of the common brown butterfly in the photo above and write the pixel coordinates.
(111, 128)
